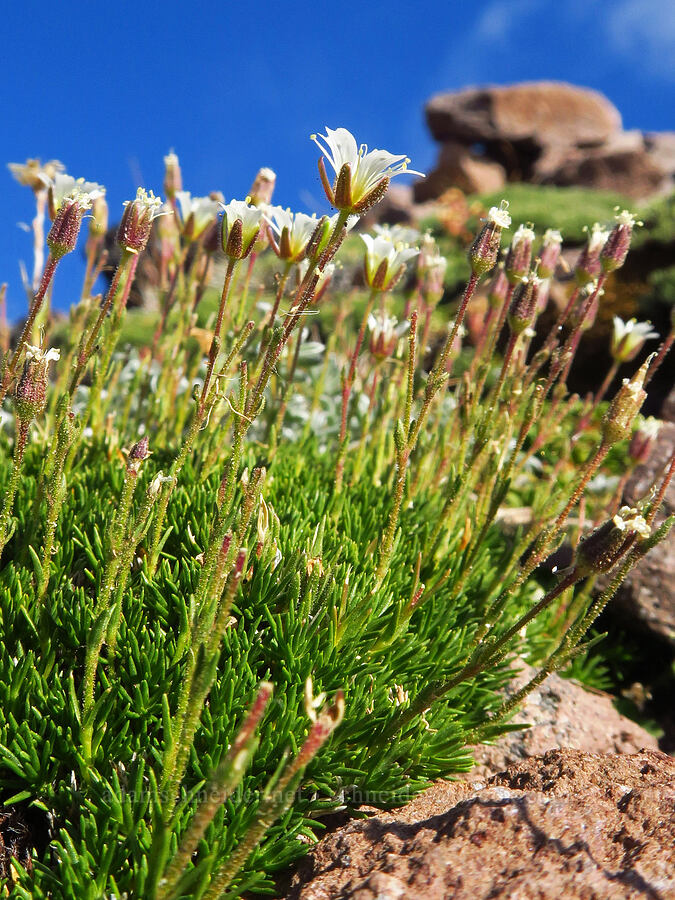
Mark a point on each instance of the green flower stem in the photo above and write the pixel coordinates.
(347, 385)
(115, 538)
(120, 286)
(9, 368)
(219, 787)
(481, 658)
(10, 493)
(437, 377)
(281, 287)
(215, 343)
(275, 801)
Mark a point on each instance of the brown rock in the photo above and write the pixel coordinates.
(458, 167)
(569, 824)
(541, 112)
(646, 599)
(661, 149)
(622, 164)
(561, 713)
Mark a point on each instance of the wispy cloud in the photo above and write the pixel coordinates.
(643, 31)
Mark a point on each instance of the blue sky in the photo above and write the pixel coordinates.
(110, 88)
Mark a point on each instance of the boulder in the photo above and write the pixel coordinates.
(459, 167)
(621, 164)
(568, 824)
(542, 113)
(646, 599)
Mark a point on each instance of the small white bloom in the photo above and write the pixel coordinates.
(626, 218)
(650, 427)
(148, 203)
(34, 174)
(628, 519)
(379, 250)
(629, 337)
(299, 228)
(551, 236)
(40, 355)
(499, 215)
(250, 217)
(203, 210)
(155, 485)
(522, 233)
(65, 187)
(368, 168)
(398, 234)
(597, 237)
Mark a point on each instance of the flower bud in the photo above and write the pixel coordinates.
(134, 229)
(618, 422)
(588, 265)
(62, 236)
(173, 177)
(484, 251)
(98, 223)
(523, 304)
(499, 289)
(549, 254)
(138, 454)
(30, 397)
(240, 227)
(617, 245)
(262, 187)
(519, 256)
(602, 549)
(643, 440)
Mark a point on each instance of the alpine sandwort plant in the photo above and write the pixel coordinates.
(279, 557)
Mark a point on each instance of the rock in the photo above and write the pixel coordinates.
(542, 113)
(458, 167)
(394, 209)
(621, 164)
(646, 599)
(661, 149)
(568, 824)
(561, 713)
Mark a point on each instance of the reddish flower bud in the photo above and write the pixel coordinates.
(484, 251)
(617, 245)
(134, 230)
(519, 256)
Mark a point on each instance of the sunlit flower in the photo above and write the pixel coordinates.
(499, 215)
(197, 213)
(628, 338)
(34, 174)
(66, 188)
(262, 187)
(398, 234)
(617, 245)
(385, 332)
(290, 232)
(549, 253)
(361, 176)
(42, 356)
(240, 227)
(385, 262)
(173, 177)
(134, 229)
(629, 519)
(484, 250)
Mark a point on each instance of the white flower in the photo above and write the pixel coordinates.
(385, 261)
(368, 170)
(385, 332)
(155, 485)
(34, 174)
(292, 231)
(499, 215)
(40, 355)
(551, 236)
(628, 519)
(626, 218)
(629, 337)
(650, 427)
(64, 187)
(597, 238)
(250, 218)
(203, 211)
(397, 234)
(522, 233)
(147, 204)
